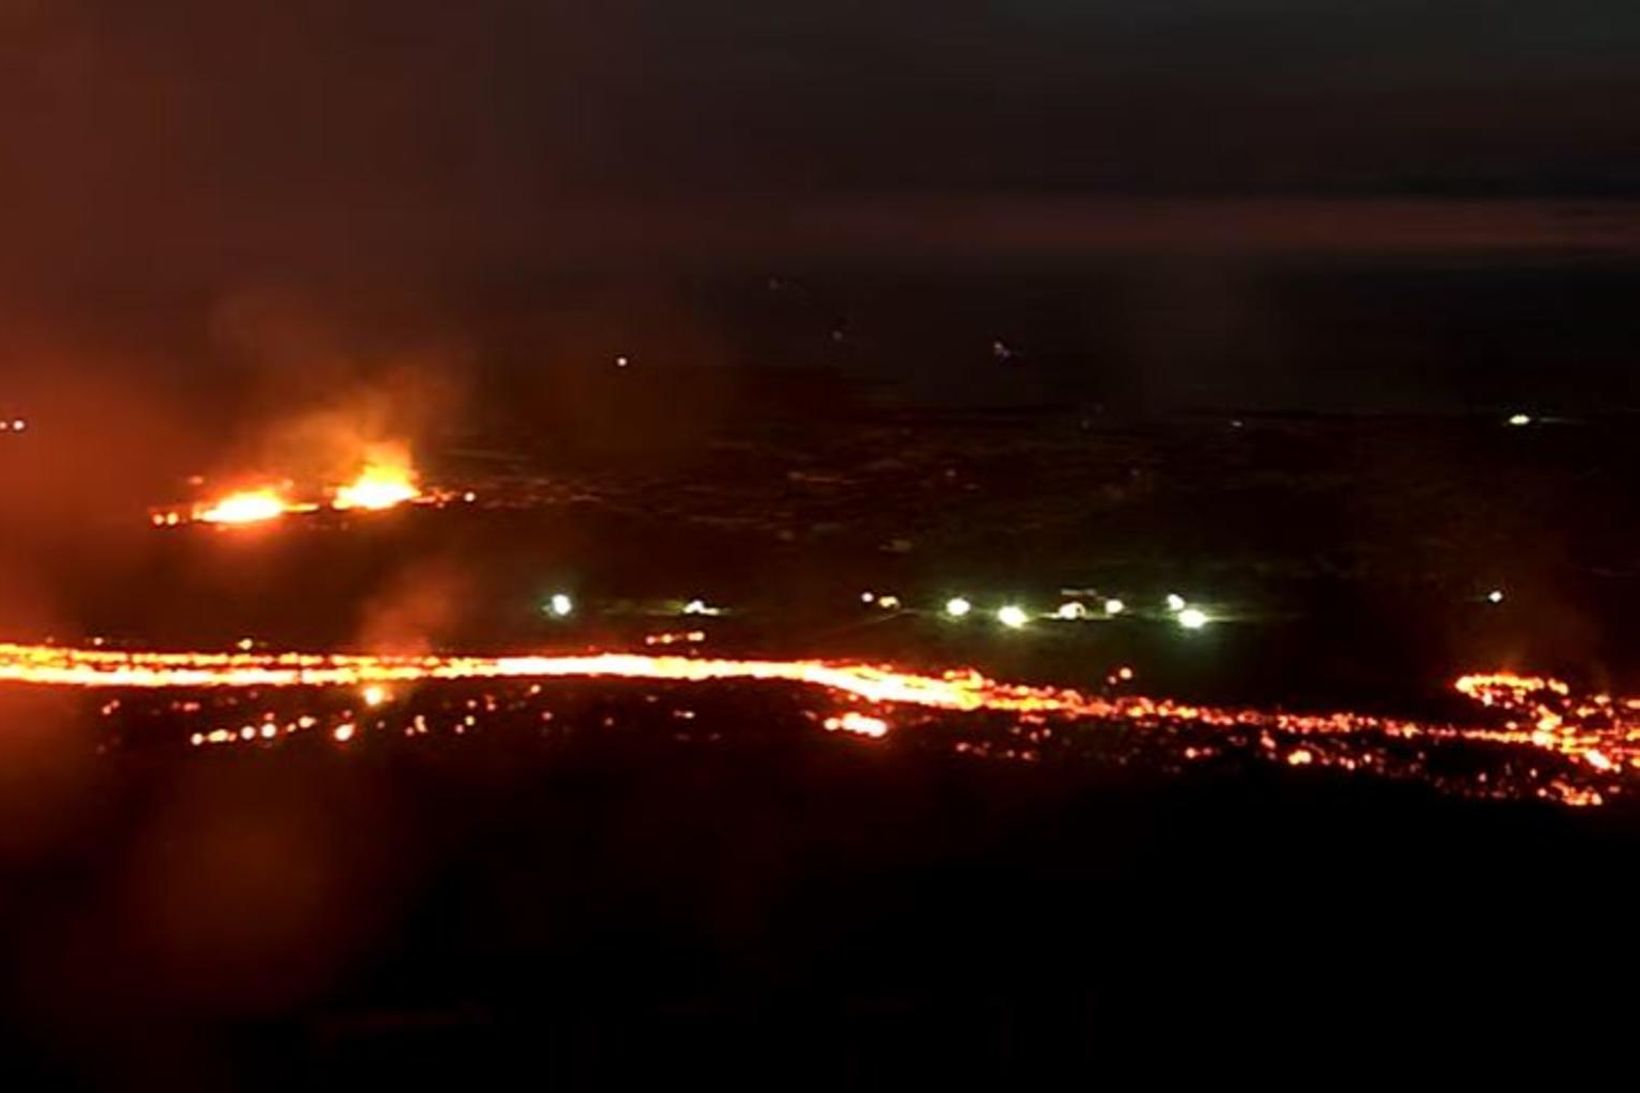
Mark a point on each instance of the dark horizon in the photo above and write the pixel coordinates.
(1206, 193)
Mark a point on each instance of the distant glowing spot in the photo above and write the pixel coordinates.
(246, 644)
(1124, 673)
(889, 603)
(18, 425)
(957, 607)
(269, 731)
(343, 733)
(1012, 616)
(1071, 611)
(1175, 602)
(561, 605)
(197, 739)
(868, 597)
(1495, 596)
(1192, 619)
(1518, 420)
(701, 607)
(1114, 607)
(469, 497)
(858, 723)
(1300, 757)
(374, 695)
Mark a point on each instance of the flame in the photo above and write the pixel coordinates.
(388, 479)
(245, 507)
(377, 488)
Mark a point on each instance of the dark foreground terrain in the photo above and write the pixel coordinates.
(752, 902)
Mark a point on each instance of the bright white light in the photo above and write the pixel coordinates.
(1520, 419)
(1175, 602)
(868, 597)
(701, 607)
(889, 603)
(18, 425)
(957, 607)
(1071, 611)
(560, 605)
(1495, 596)
(1012, 616)
(374, 695)
(1114, 607)
(1192, 619)
(621, 362)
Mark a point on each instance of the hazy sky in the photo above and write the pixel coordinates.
(183, 135)
(414, 172)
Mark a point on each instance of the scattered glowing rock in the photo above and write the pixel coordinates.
(858, 723)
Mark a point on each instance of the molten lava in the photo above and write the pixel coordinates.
(381, 485)
(388, 479)
(245, 507)
(1538, 738)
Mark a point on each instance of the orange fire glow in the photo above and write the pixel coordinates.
(388, 479)
(382, 484)
(244, 507)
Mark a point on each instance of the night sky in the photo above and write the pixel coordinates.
(1241, 159)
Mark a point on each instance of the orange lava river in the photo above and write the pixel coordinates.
(1530, 736)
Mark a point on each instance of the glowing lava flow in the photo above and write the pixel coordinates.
(1541, 738)
(245, 507)
(381, 485)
